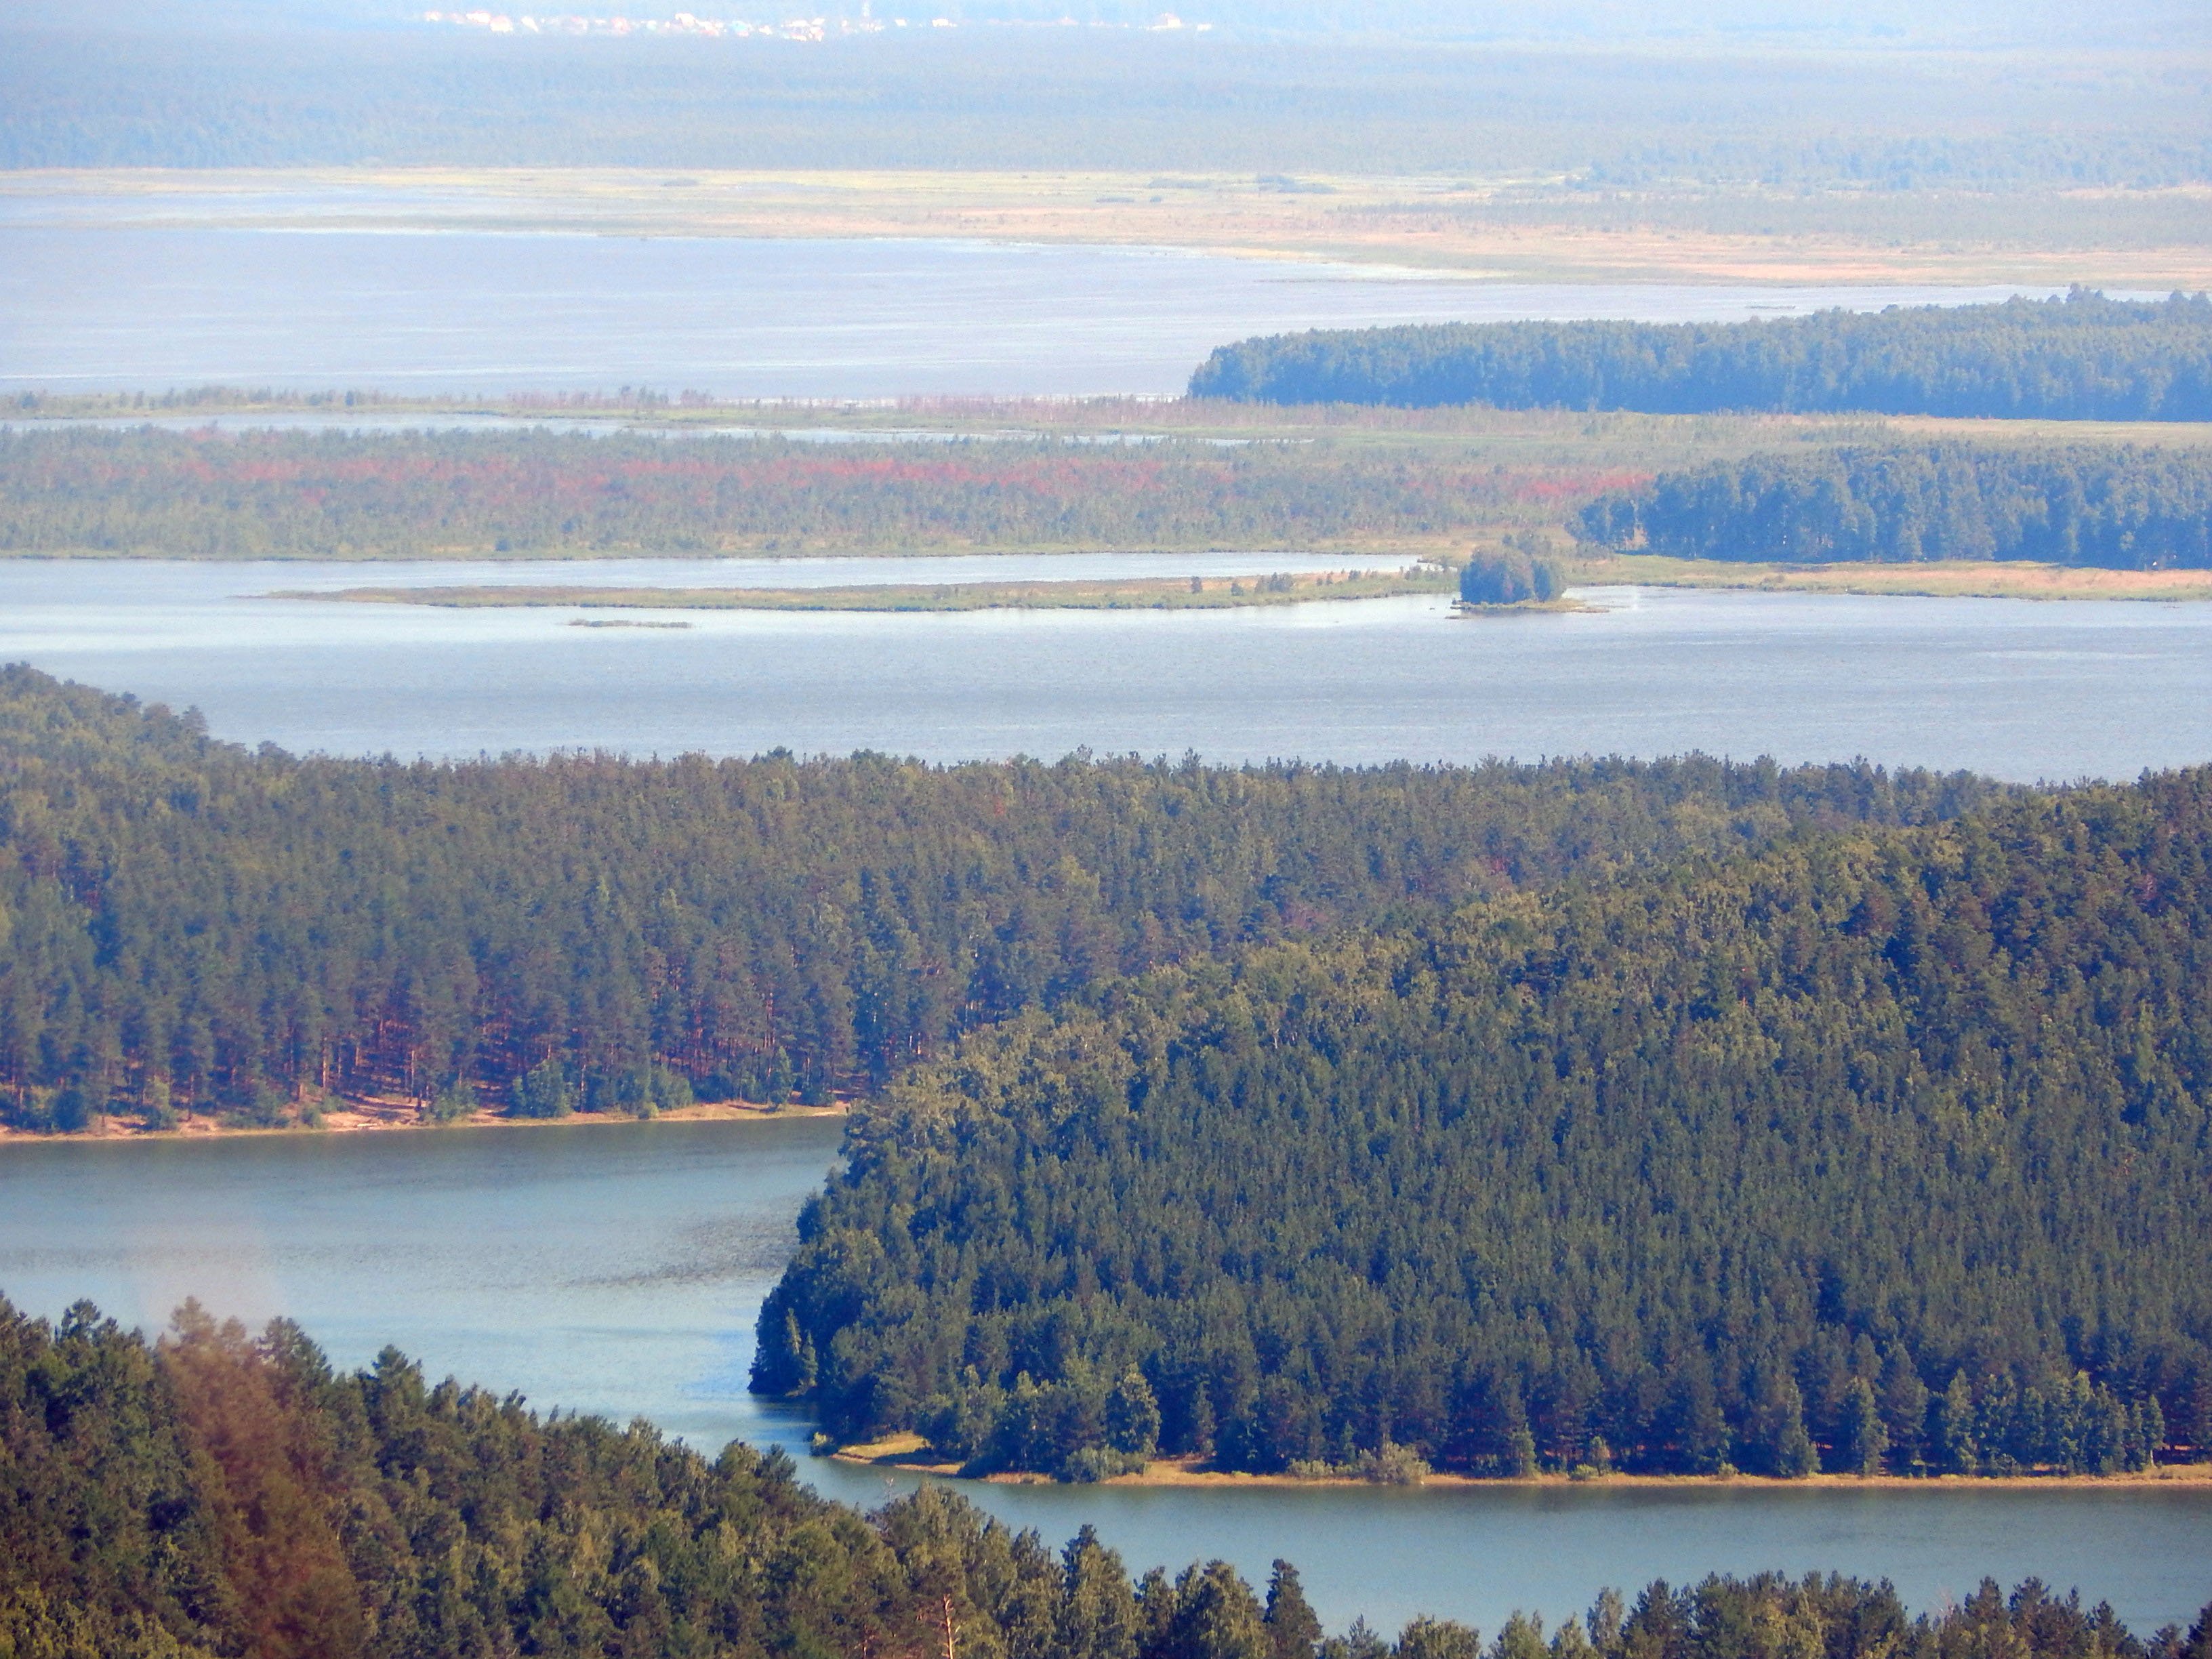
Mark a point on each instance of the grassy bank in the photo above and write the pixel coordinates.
(1951, 580)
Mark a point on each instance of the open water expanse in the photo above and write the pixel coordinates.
(2016, 688)
(109, 307)
(617, 1268)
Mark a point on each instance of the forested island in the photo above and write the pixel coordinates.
(2079, 357)
(1072, 593)
(199, 929)
(217, 1494)
(2111, 507)
(1871, 1150)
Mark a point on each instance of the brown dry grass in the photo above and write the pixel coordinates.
(1434, 225)
(1944, 580)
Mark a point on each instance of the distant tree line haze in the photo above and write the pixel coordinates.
(2119, 508)
(1730, 112)
(216, 1494)
(2081, 357)
(192, 927)
(1875, 1149)
(340, 495)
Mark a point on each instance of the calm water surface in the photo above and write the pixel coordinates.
(617, 1268)
(2014, 688)
(117, 307)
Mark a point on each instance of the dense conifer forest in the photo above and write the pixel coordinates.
(2118, 509)
(2082, 358)
(192, 927)
(445, 494)
(216, 1496)
(1876, 1150)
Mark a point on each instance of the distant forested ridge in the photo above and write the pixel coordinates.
(2118, 509)
(2081, 357)
(1879, 1149)
(412, 495)
(191, 926)
(216, 1496)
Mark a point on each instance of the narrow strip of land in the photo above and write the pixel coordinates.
(1522, 229)
(1128, 593)
(345, 1114)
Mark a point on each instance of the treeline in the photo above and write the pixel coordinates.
(444, 494)
(1875, 1151)
(2123, 508)
(215, 1496)
(2082, 358)
(1017, 100)
(192, 927)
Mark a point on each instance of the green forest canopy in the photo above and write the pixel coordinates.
(2081, 357)
(215, 1496)
(193, 926)
(1873, 1149)
(2121, 508)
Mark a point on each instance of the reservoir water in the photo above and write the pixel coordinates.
(617, 1268)
(2017, 689)
(108, 305)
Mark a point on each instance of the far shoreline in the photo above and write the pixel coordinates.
(1955, 579)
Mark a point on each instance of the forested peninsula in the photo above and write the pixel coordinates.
(196, 928)
(1872, 1150)
(2117, 508)
(214, 1494)
(2079, 357)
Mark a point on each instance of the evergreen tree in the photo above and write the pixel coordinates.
(1779, 1438)
(1865, 1439)
(1133, 1416)
(1904, 1409)
(1097, 1616)
(1956, 1439)
(1293, 1630)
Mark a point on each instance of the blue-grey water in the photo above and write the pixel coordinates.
(108, 305)
(2017, 689)
(617, 1268)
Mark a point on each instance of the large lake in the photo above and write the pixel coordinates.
(617, 1268)
(2017, 689)
(115, 307)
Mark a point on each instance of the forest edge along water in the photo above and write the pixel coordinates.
(615, 1269)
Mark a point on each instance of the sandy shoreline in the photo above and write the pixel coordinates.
(899, 1452)
(390, 1116)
